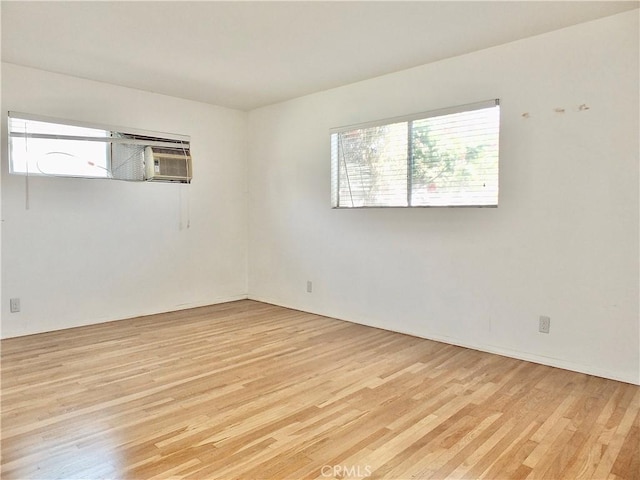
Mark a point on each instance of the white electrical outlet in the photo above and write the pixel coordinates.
(14, 305)
(544, 324)
(309, 286)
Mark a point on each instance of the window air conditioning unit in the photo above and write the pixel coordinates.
(167, 164)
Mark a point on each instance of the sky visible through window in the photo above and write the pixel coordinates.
(32, 154)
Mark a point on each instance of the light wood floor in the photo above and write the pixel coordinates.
(252, 391)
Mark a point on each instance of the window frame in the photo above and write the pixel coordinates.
(115, 135)
(409, 119)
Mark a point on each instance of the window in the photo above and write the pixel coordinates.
(44, 146)
(442, 158)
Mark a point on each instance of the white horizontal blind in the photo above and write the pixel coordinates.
(46, 146)
(443, 158)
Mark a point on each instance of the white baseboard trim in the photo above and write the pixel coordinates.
(494, 349)
(134, 314)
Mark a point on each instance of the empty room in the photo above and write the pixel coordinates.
(287, 240)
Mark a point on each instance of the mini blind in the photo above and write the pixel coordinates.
(441, 158)
(46, 146)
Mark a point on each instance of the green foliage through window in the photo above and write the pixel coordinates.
(445, 158)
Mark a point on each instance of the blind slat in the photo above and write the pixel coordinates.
(449, 158)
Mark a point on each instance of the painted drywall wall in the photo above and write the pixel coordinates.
(562, 243)
(86, 250)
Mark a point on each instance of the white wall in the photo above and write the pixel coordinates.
(563, 242)
(94, 250)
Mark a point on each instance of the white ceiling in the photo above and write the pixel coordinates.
(249, 54)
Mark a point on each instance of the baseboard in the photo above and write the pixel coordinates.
(135, 314)
(494, 349)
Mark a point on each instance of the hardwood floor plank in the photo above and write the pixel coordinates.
(247, 390)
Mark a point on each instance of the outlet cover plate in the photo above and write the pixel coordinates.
(14, 305)
(544, 324)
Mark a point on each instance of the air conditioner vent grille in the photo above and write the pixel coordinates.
(167, 164)
(183, 152)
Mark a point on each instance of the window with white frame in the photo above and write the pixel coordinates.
(43, 146)
(442, 158)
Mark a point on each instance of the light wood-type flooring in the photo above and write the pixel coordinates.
(246, 390)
